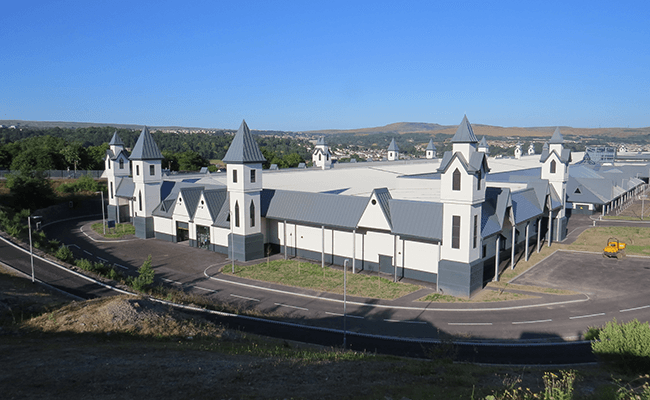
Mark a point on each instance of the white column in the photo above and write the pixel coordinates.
(496, 260)
(527, 226)
(539, 234)
(322, 247)
(354, 249)
(285, 240)
(550, 225)
(512, 250)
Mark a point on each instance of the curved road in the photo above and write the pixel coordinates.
(555, 318)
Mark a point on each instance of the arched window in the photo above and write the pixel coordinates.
(237, 214)
(140, 199)
(553, 165)
(456, 182)
(252, 211)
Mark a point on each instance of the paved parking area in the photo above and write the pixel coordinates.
(590, 274)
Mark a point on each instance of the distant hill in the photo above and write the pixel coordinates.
(492, 131)
(398, 128)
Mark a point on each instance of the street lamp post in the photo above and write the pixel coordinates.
(232, 244)
(345, 294)
(31, 249)
(103, 217)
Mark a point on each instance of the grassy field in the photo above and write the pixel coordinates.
(312, 276)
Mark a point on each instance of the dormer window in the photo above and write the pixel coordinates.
(553, 166)
(456, 180)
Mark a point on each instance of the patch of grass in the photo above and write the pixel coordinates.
(525, 288)
(442, 298)
(311, 276)
(118, 232)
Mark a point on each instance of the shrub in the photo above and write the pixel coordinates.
(64, 254)
(625, 346)
(84, 264)
(145, 276)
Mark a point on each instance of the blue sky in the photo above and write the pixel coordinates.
(306, 65)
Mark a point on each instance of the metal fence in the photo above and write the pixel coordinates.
(61, 174)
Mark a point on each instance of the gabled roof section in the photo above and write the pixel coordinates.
(191, 196)
(321, 141)
(318, 209)
(431, 146)
(223, 217)
(383, 197)
(557, 137)
(564, 158)
(493, 213)
(483, 142)
(464, 133)
(525, 205)
(125, 188)
(215, 199)
(393, 146)
(244, 148)
(145, 148)
(113, 156)
(115, 140)
(376, 214)
(476, 161)
(416, 219)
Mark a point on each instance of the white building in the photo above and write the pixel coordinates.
(322, 157)
(441, 221)
(393, 151)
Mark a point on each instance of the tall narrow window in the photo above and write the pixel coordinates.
(479, 176)
(121, 163)
(140, 200)
(252, 176)
(552, 166)
(234, 176)
(111, 190)
(152, 170)
(475, 230)
(455, 232)
(109, 163)
(252, 211)
(237, 214)
(456, 183)
(137, 170)
(319, 156)
(327, 157)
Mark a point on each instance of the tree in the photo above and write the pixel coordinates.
(72, 155)
(30, 189)
(191, 161)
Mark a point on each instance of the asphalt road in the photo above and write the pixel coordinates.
(606, 294)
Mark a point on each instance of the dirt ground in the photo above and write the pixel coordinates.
(133, 348)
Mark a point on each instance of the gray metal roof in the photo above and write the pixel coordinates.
(115, 140)
(583, 171)
(483, 142)
(565, 157)
(416, 219)
(125, 188)
(313, 208)
(557, 137)
(525, 205)
(215, 198)
(321, 141)
(589, 190)
(384, 197)
(464, 133)
(493, 212)
(243, 148)
(431, 146)
(115, 156)
(145, 148)
(393, 146)
(191, 196)
(519, 175)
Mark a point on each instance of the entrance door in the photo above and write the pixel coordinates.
(182, 231)
(203, 236)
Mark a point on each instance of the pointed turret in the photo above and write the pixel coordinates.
(483, 146)
(393, 151)
(322, 157)
(244, 160)
(464, 141)
(430, 150)
(557, 137)
(518, 150)
(244, 148)
(146, 148)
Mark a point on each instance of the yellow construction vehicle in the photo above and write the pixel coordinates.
(614, 248)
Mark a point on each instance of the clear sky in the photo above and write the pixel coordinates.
(305, 65)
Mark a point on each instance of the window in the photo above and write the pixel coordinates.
(475, 230)
(252, 176)
(137, 170)
(455, 232)
(234, 176)
(109, 163)
(252, 211)
(111, 190)
(121, 163)
(577, 191)
(456, 183)
(478, 184)
(140, 199)
(237, 214)
(553, 166)
(327, 156)
(152, 170)
(319, 156)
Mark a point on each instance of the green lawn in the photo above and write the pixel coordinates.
(118, 232)
(312, 276)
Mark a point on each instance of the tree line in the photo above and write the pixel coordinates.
(85, 148)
